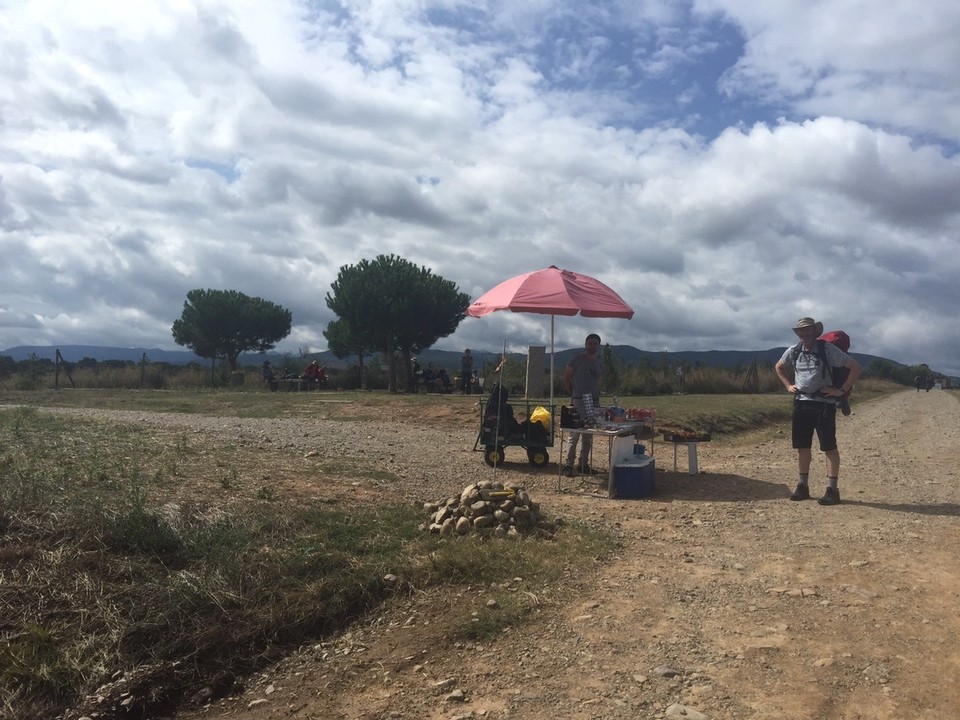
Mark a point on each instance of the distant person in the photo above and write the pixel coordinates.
(311, 372)
(466, 372)
(446, 384)
(582, 380)
(269, 378)
(815, 404)
(416, 376)
(316, 375)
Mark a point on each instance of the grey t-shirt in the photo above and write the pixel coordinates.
(586, 376)
(808, 375)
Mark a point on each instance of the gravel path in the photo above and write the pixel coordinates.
(726, 600)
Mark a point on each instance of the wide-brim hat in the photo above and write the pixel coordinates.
(806, 322)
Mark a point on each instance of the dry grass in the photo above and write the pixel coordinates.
(165, 558)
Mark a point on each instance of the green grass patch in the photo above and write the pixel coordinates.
(348, 406)
(730, 413)
(114, 558)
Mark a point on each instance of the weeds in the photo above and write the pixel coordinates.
(33, 660)
(266, 492)
(110, 562)
(229, 479)
(488, 621)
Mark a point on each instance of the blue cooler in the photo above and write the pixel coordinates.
(634, 479)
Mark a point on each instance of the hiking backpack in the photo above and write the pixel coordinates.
(838, 375)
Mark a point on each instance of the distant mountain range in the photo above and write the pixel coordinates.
(442, 358)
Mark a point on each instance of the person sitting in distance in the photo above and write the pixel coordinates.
(437, 380)
(446, 384)
(316, 375)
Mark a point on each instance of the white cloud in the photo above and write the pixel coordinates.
(891, 66)
(260, 147)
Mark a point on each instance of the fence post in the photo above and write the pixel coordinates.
(58, 362)
(143, 370)
(751, 383)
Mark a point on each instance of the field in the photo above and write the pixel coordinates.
(165, 550)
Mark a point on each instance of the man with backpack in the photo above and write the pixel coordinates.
(815, 402)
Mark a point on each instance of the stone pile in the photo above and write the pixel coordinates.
(488, 506)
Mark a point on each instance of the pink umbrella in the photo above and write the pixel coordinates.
(552, 291)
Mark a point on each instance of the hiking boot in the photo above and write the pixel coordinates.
(830, 497)
(568, 470)
(801, 493)
(844, 406)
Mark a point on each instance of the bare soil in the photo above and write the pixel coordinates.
(725, 600)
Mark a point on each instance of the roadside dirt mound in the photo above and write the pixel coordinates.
(726, 599)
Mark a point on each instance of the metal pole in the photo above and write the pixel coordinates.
(551, 363)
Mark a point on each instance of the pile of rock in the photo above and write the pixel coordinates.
(489, 506)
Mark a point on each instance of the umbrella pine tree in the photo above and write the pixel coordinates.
(396, 307)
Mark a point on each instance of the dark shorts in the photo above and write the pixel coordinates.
(810, 416)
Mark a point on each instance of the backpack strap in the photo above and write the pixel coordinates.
(822, 354)
(796, 352)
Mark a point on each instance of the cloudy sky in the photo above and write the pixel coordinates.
(726, 165)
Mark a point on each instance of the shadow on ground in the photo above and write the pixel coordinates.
(716, 488)
(945, 509)
(737, 488)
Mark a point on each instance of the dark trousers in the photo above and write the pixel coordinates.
(810, 416)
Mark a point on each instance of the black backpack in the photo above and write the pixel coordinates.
(499, 412)
(569, 417)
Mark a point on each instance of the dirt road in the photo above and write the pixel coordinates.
(727, 600)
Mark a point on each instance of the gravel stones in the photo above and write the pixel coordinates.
(489, 506)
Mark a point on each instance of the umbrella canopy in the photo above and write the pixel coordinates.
(552, 291)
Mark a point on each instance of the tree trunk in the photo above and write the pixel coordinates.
(391, 368)
(360, 371)
(408, 370)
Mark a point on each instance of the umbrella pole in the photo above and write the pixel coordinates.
(553, 414)
(551, 362)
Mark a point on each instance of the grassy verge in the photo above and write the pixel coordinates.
(724, 414)
(124, 551)
(167, 556)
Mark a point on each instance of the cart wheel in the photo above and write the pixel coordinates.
(493, 455)
(538, 456)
